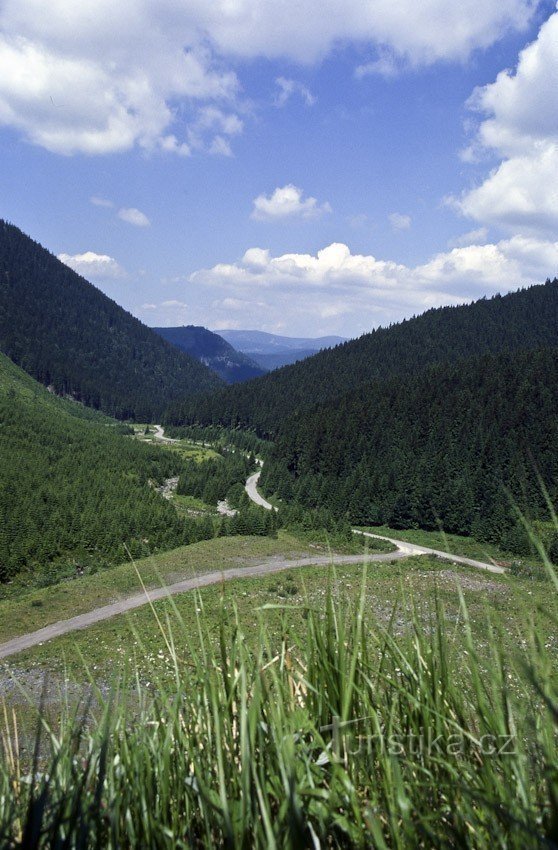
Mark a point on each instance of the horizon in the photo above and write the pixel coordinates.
(296, 179)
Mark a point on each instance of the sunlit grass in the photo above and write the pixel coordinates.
(341, 731)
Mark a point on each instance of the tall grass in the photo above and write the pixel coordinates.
(345, 734)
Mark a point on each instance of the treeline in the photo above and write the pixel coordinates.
(224, 478)
(527, 319)
(73, 491)
(455, 445)
(67, 334)
(220, 437)
(212, 480)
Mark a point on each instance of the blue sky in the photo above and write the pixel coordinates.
(302, 168)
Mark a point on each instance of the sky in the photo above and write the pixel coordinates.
(303, 167)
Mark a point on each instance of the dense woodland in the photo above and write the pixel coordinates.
(461, 446)
(73, 489)
(65, 333)
(447, 419)
(526, 319)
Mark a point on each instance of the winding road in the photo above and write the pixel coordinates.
(403, 547)
(130, 603)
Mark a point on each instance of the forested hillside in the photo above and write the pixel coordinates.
(68, 335)
(73, 489)
(522, 320)
(454, 445)
(213, 351)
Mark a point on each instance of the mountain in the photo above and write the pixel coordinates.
(269, 362)
(213, 351)
(454, 445)
(68, 335)
(271, 351)
(73, 488)
(526, 319)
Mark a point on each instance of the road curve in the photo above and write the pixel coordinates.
(251, 488)
(130, 603)
(403, 547)
(409, 549)
(160, 435)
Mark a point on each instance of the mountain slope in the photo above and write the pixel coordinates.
(447, 446)
(521, 320)
(281, 358)
(73, 489)
(261, 342)
(271, 351)
(213, 351)
(66, 333)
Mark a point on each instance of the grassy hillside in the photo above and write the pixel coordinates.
(73, 489)
(67, 334)
(311, 709)
(527, 319)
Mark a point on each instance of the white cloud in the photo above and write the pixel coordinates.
(99, 77)
(212, 130)
(306, 30)
(399, 221)
(93, 266)
(521, 128)
(385, 65)
(288, 88)
(347, 291)
(101, 202)
(173, 303)
(133, 216)
(287, 202)
(473, 237)
(359, 220)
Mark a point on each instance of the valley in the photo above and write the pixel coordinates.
(367, 534)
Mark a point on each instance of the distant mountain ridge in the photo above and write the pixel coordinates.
(272, 351)
(213, 351)
(66, 333)
(526, 319)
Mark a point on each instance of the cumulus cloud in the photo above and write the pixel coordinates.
(93, 266)
(343, 291)
(399, 221)
(287, 202)
(133, 216)
(99, 77)
(521, 128)
(288, 88)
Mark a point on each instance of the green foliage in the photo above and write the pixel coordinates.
(250, 520)
(452, 447)
(73, 490)
(220, 437)
(345, 734)
(211, 480)
(527, 319)
(68, 335)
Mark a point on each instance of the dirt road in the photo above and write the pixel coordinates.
(130, 603)
(403, 547)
